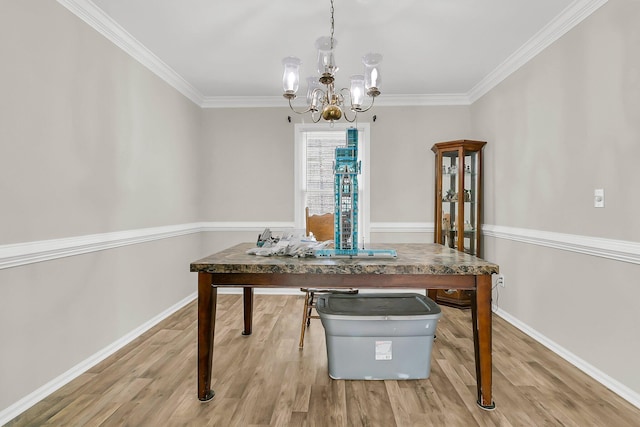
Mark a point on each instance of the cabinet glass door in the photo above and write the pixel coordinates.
(459, 195)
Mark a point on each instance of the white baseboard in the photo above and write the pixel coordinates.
(612, 384)
(31, 399)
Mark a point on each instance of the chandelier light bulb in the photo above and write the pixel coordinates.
(372, 79)
(357, 91)
(291, 76)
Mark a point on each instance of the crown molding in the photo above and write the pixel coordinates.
(102, 23)
(382, 101)
(575, 13)
(243, 102)
(571, 16)
(423, 100)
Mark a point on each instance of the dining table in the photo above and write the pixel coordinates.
(423, 266)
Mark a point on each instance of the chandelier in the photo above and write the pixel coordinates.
(325, 102)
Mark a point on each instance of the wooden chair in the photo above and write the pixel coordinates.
(320, 225)
(322, 228)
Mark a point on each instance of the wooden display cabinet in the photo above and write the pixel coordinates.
(458, 205)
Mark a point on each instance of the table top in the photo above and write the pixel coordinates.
(413, 258)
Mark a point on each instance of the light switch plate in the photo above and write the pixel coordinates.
(598, 198)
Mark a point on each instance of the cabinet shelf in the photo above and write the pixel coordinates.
(456, 173)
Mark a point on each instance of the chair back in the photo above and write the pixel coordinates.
(320, 225)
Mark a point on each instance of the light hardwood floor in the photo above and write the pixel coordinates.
(264, 380)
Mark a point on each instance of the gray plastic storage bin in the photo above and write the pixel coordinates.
(378, 336)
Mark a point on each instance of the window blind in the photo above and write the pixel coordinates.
(320, 158)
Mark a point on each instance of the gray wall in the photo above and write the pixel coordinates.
(248, 165)
(566, 123)
(249, 161)
(90, 142)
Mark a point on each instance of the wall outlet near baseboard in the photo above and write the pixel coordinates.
(500, 280)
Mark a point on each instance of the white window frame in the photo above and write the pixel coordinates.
(363, 180)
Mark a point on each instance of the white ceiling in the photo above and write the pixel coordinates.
(218, 52)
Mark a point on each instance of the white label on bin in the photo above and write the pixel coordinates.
(383, 350)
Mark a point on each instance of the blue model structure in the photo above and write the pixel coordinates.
(346, 170)
(345, 188)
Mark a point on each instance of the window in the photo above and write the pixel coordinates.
(319, 181)
(314, 157)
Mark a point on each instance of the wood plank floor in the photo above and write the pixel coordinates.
(264, 380)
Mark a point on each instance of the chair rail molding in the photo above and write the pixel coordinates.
(619, 250)
(14, 255)
(402, 227)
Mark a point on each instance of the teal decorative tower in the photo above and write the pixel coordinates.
(346, 171)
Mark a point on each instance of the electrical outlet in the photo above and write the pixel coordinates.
(500, 280)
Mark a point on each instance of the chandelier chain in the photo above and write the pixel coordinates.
(332, 24)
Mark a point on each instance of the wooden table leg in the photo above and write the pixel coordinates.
(481, 319)
(207, 301)
(248, 310)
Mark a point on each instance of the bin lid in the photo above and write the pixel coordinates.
(402, 304)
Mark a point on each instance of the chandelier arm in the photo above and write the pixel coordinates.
(313, 117)
(296, 111)
(346, 117)
(373, 100)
